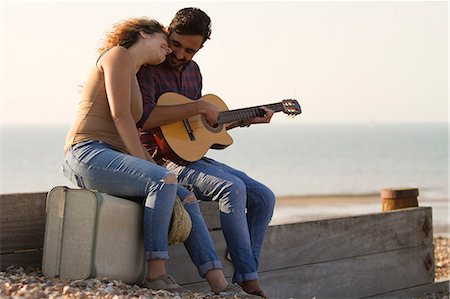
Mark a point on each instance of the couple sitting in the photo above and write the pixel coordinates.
(139, 61)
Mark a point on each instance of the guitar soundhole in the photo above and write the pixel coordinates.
(214, 129)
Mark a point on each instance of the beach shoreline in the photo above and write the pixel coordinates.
(342, 198)
(326, 199)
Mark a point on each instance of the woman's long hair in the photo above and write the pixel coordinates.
(126, 33)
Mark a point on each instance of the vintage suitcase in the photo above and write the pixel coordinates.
(93, 234)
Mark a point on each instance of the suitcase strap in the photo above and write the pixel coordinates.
(60, 226)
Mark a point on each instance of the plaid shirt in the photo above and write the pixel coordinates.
(156, 80)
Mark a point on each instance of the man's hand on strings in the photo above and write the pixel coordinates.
(260, 119)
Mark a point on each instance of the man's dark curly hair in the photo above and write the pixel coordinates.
(191, 21)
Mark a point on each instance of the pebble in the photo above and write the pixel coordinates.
(16, 282)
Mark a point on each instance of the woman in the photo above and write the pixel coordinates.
(103, 151)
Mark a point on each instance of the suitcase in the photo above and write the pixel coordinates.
(93, 234)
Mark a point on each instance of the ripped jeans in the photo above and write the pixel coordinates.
(246, 208)
(95, 165)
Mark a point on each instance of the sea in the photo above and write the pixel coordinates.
(292, 158)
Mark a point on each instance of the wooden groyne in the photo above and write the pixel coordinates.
(380, 255)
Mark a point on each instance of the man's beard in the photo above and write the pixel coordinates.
(172, 61)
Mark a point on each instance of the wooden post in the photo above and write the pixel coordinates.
(399, 198)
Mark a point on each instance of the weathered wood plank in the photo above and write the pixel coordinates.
(22, 221)
(415, 292)
(353, 277)
(211, 214)
(24, 229)
(319, 241)
(24, 259)
(330, 239)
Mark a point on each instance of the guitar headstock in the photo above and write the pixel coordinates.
(291, 107)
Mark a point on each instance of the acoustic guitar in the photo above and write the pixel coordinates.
(187, 141)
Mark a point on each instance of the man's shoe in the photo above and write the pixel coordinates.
(235, 290)
(164, 282)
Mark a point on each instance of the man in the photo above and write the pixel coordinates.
(246, 206)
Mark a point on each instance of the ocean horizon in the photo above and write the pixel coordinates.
(292, 158)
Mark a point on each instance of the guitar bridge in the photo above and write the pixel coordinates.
(189, 130)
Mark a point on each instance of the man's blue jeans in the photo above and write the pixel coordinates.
(246, 208)
(95, 165)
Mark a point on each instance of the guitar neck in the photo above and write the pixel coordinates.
(230, 116)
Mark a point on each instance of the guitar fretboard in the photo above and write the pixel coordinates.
(230, 116)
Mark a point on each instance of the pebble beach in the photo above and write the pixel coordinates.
(29, 283)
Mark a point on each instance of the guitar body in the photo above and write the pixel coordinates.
(189, 140)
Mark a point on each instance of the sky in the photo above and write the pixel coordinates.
(360, 61)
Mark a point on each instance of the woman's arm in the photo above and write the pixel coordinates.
(118, 71)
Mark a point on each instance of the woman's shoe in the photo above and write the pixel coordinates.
(164, 282)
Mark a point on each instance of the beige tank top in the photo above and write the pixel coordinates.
(93, 120)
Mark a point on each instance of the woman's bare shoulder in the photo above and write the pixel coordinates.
(118, 51)
(117, 55)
